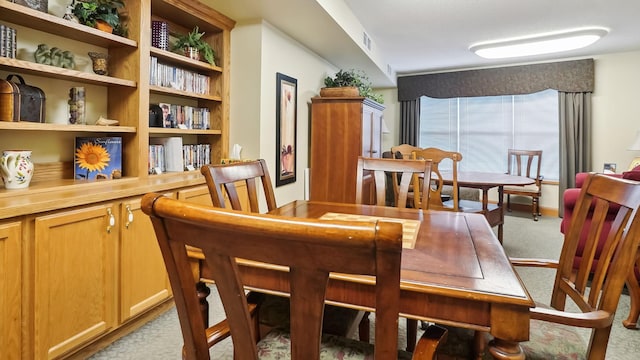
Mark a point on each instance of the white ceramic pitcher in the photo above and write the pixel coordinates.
(16, 168)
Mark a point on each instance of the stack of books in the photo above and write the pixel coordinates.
(160, 35)
(8, 42)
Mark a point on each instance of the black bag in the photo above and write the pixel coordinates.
(21, 102)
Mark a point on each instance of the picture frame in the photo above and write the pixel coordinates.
(40, 5)
(286, 129)
(609, 168)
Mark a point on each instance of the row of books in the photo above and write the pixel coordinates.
(8, 42)
(169, 154)
(185, 117)
(179, 79)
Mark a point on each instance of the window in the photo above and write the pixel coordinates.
(483, 128)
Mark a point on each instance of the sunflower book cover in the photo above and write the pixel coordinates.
(98, 158)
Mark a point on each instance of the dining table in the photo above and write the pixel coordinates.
(486, 181)
(454, 272)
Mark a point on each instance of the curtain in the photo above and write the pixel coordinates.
(410, 122)
(575, 139)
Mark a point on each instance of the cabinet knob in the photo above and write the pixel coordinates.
(112, 220)
(129, 217)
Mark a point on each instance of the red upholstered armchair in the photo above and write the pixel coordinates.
(570, 197)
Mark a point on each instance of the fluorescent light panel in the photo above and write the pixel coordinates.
(539, 44)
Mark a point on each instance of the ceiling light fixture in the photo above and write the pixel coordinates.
(539, 44)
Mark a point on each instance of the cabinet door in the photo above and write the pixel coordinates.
(196, 195)
(144, 282)
(371, 132)
(75, 278)
(10, 290)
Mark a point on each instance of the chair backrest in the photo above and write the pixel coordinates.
(607, 279)
(437, 183)
(311, 249)
(405, 149)
(402, 175)
(525, 163)
(225, 176)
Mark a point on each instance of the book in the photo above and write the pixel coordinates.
(98, 158)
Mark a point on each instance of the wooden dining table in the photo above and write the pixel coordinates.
(454, 272)
(486, 181)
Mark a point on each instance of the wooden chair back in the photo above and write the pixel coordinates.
(525, 163)
(405, 150)
(310, 248)
(223, 178)
(402, 174)
(606, 279)
(437, 183)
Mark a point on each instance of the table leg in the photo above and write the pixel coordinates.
(412, 333)
(502, 349)
(634, 294)
(501, 209)
(203, 291)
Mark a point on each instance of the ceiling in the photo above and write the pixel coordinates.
(422, 36)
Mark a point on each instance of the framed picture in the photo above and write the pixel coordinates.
(40, 5)
(286, 124)
(609, 168)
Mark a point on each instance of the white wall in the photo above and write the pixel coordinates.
(258, 52)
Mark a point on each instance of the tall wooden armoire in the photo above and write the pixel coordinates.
(341, 130)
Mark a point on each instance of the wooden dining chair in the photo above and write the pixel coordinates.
(310, 249)
(405, 150)
(437, 156)
(223, 181)
(402, 173)
(594, 288)
(525, 163)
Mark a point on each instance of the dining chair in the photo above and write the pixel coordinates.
(437, 156)
(310, 249)
(402, 173)
(223, 181)
(405, 150)
(525, 163)
(593, 288)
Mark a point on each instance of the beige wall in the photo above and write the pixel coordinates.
(259, 51)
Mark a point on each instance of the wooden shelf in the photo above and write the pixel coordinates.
(22, 15)
(24, 125)
(28, 67)
(183, 61)
(186, 94)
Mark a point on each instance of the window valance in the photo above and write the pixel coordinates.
(567, 76)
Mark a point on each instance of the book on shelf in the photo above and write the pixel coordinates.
(8, 42)
(98, 158)
(185, 117)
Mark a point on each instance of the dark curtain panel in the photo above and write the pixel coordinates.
(410, 122)
(575, 139)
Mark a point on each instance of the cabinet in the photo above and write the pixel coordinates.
(144, 281)
(74, 278)
(341, 130)
(10, 289)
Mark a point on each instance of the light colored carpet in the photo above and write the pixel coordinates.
(161, 338)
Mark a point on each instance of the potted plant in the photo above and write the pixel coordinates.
(193, 45)
(101, 14)
(349, 83)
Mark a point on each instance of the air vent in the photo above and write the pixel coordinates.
(366, 40)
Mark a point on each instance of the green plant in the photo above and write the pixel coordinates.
(194, 39)
(355, 78)
(90, 11)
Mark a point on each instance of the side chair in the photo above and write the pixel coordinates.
(222, 181)
(402, 173)
(436, 156)
(405, 150)
(311, 249)
(525, 163)
(594, 288)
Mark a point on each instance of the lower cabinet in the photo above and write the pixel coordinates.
(10, 290)
(144, 282)
(74, 278)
